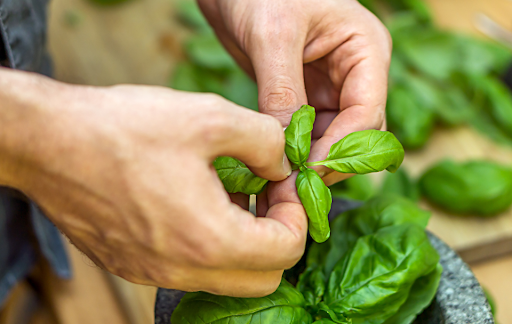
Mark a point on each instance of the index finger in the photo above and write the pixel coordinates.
(363, 94)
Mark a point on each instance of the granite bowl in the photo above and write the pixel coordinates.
(459, 299)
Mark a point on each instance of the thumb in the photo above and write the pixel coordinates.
(277, 57)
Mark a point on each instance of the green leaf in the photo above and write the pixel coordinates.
(401, 184)
(409, 121)
(206, 51)
(236, 177)
(431, 52)
(316, 198)
(285, 306)
(491, 301)
(186, 77)
(476, 187)
(359, 187)
(421, 295)
(241, 89)
(298, 135)
(365, 152)
(372, 282)
(312, 284)
(190, 14)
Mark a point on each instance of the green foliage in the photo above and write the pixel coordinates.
(476, 187)
(359, 187)
(441, 77)
(236, 177)
(364, 152)
(316, 198)
(378, 267)
(209, 67)
(298, 135)
(360, 152)
(285, 306)
(400, 183)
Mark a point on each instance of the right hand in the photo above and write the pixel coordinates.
(126, 173)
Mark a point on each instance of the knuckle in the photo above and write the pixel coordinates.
(280, 99)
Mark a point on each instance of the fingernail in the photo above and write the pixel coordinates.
(286, 165)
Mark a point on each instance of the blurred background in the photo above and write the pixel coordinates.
(448, 78)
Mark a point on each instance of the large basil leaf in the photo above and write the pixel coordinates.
(400, 183)
(477, 187)
(317, 200)
(365, 152)
(298, 135)
(236, 177)
(379, 212)
(372, 282)
(420, 296)
(285, 306)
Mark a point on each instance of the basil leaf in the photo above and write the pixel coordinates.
(285, 306)
(411, 122)
(359, 187)
(365, 152)
(379, 212)
(298, 135)
(421, 295)
(476, 187)
(236, 177)
(312, 284)
(374, 279)
(401, 184)
(317, 200)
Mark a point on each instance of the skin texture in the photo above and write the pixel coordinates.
(333, 55)
(119, 170)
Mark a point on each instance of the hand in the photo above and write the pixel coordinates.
(126, 173)
(332, 54)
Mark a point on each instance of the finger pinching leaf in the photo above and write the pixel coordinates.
(298, 135)
(316, 198)
(236, 177)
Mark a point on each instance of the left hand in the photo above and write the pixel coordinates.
(332, 54)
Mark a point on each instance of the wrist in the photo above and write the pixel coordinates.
(26, 115)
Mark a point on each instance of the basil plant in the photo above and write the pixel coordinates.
(378, 267)
(359, 153)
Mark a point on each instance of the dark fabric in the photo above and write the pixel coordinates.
(25, 233)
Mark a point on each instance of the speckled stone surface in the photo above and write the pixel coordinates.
(459, 299)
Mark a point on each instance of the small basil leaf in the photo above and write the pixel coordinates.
(376, 276)
(421, 294)
(236, 177)
(476, 187)
(401, 184)
(365, 152)
(284, 306)
(317, 200)
(298, 135)
(312, 284)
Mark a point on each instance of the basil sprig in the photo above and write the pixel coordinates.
(359, 152)
(377, 267)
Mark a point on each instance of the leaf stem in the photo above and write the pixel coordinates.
(315, 163)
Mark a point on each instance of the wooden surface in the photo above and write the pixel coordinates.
(137, 42)
(496, 277)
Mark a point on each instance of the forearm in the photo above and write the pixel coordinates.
(25, 124)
